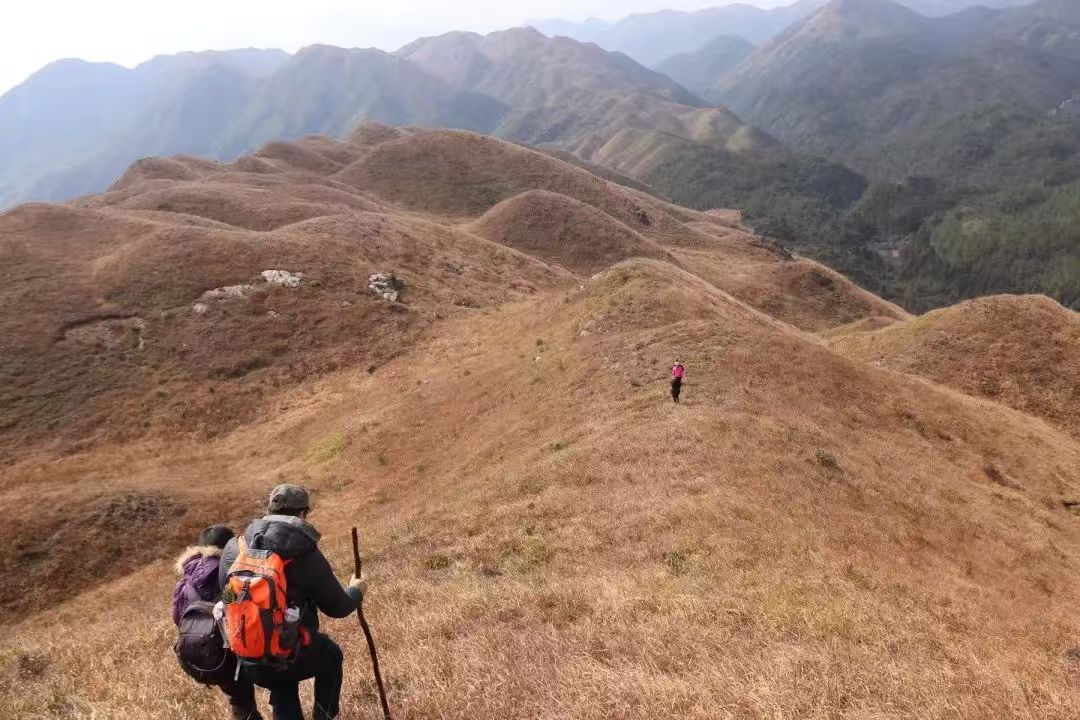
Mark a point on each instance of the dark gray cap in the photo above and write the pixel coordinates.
(288, 498)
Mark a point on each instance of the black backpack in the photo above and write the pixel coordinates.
(200, 648)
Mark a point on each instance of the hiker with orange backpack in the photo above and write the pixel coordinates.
(275, 582)
(200, 648)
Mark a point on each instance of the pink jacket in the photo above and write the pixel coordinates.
(678, 371)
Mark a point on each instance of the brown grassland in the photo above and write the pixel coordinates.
(1023, 352)
(810, 534)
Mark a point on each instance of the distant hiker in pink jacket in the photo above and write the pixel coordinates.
(678, 372)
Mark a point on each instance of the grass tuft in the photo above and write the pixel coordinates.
(328, 448)
(826, 460)
(678, 562)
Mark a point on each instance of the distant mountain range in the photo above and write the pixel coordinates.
(652, 38)
(859, 72)
(518, 84)
(73, 127)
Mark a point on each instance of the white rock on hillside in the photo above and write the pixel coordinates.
(283, 278)
(386, 285)
(229, 291)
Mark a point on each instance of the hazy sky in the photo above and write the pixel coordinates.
(36, 32)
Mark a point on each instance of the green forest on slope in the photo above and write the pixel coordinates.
(964, 128)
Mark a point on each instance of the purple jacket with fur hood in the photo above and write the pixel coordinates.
(198, 568)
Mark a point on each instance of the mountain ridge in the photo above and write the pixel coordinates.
(652, 38)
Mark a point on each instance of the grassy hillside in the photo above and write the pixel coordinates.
(807, 535)
(1021, 351)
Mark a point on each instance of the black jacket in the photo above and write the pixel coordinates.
(312, 585)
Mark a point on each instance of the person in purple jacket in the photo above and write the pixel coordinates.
(198, 567)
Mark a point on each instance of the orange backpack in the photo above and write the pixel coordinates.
(260, 628)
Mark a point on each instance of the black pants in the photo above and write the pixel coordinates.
(239, 691)
(241, 694)
(676, 388)
(320, 660)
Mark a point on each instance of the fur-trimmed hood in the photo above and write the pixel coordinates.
(198, 567)
(195, 551)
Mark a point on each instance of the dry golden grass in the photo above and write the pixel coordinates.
(608, 555)
(563, 231)
(548, 536)
(798, 291)
(1022, 351)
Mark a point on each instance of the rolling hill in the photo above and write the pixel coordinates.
(1021, 351)
(292, 204)
(807, 535)
(616, 114)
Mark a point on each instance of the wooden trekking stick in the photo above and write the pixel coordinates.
(367, 630)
